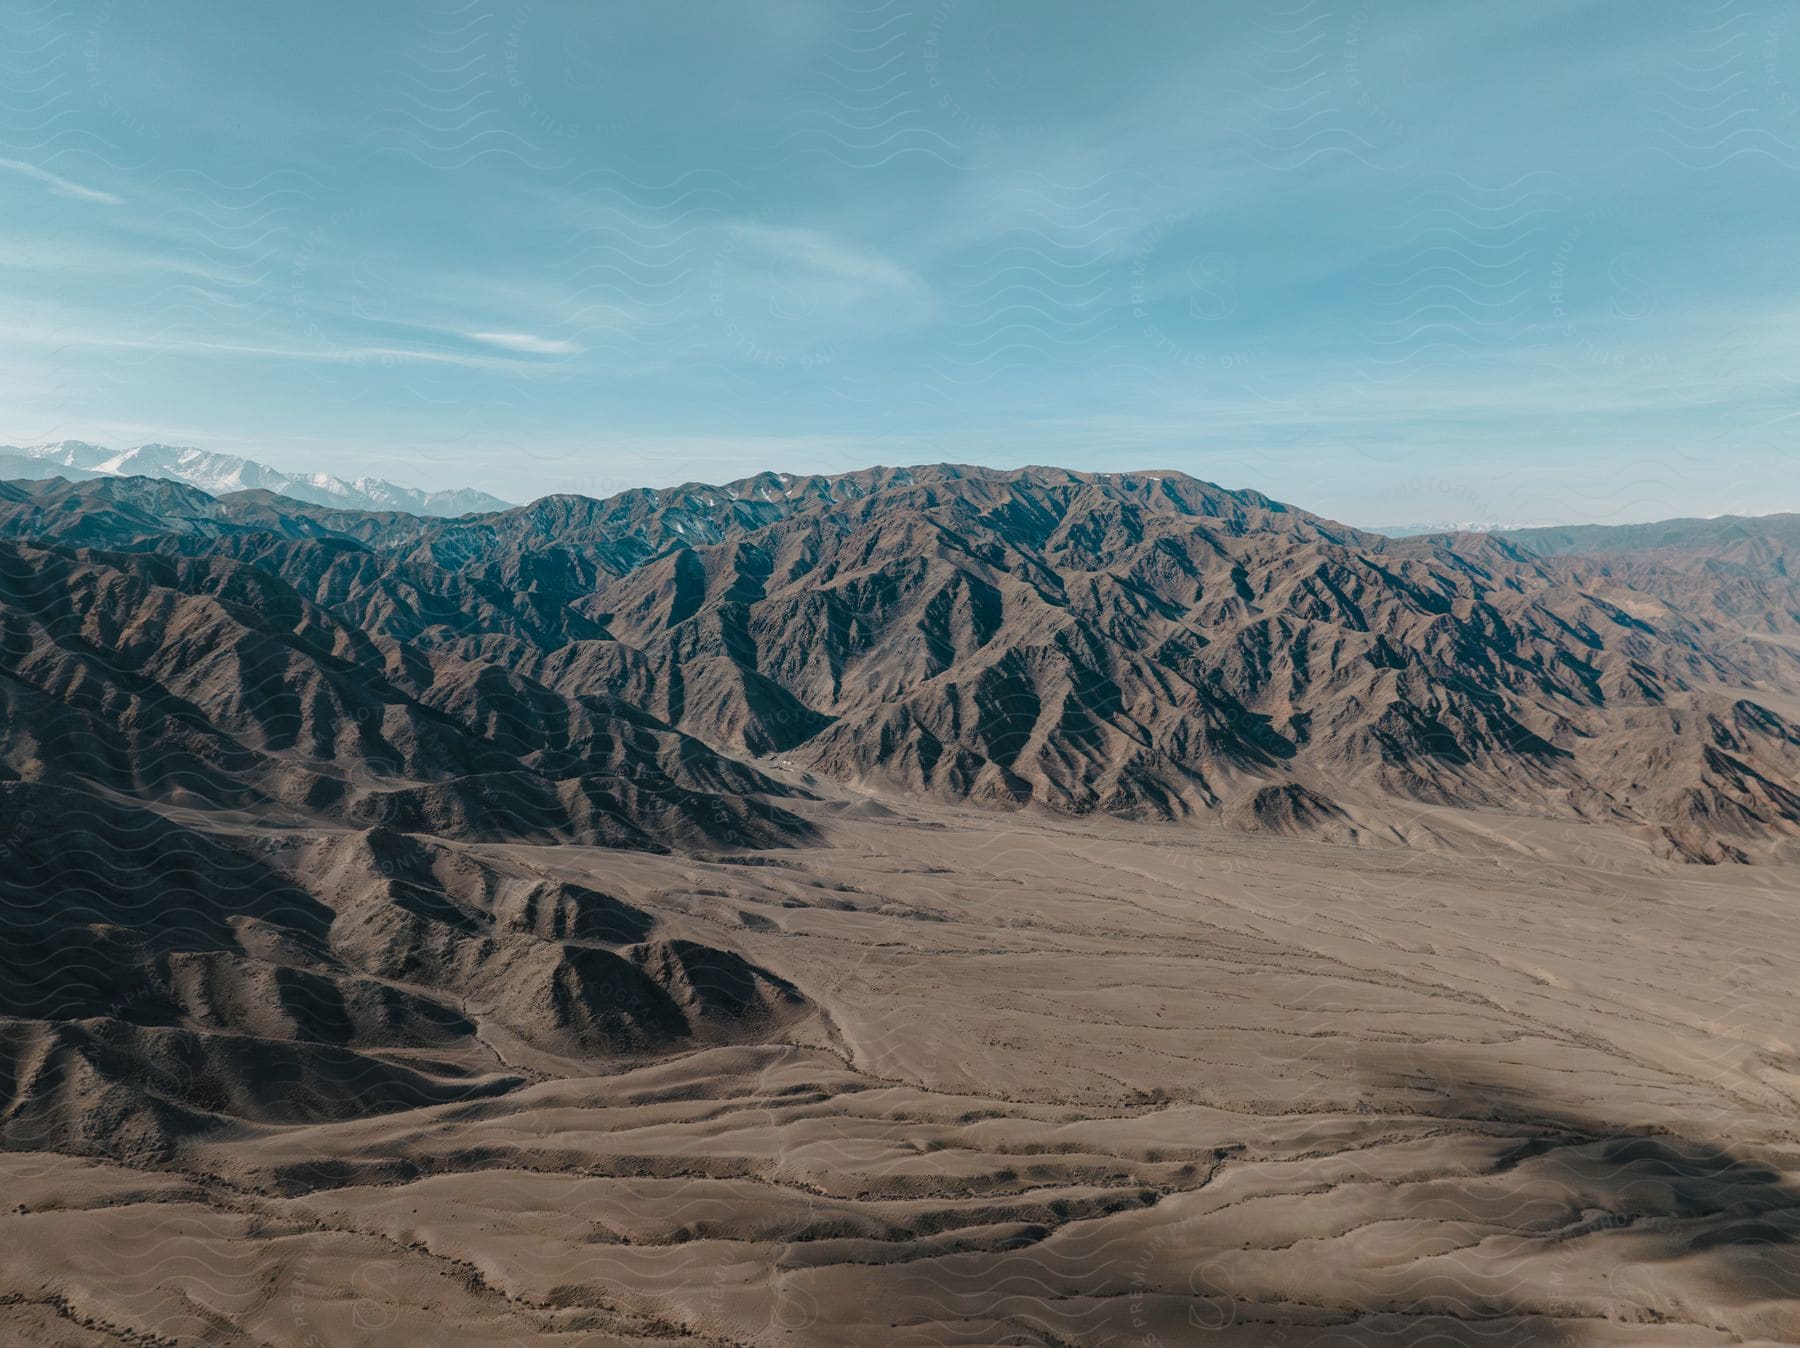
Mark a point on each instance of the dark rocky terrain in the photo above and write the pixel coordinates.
(1144, 645)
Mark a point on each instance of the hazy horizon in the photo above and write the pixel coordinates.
(1403, 265)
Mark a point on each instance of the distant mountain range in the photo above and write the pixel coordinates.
(219, 474)
(1751, 537)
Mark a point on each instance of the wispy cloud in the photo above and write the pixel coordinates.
(526, 342)
(60, 185)
(63, 339)
(810, 285)
(816, 251)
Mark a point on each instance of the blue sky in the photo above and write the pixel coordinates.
(1392, 261)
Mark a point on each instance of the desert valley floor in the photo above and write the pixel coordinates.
(1053, 1082)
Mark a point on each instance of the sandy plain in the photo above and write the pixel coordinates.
(1059, 1082)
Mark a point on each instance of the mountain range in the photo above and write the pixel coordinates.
(222, 473)
(827, 877)
(1143, 644)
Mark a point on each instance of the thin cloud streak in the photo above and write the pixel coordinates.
(61, 186)
(526, 342)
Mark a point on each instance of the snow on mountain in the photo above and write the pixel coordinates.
(221, 474)
(1442, 527)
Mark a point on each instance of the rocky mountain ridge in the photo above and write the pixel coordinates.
(1140, 644)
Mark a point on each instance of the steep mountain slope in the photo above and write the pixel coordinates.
(206, 680)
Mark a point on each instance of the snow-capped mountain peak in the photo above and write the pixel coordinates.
(220, 474)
